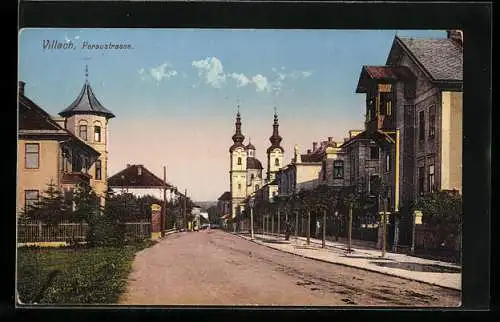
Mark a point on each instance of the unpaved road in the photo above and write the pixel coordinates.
(217, 268)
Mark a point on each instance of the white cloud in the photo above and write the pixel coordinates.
(141, 73)
(306, 74)
(165, 70)
(241, 79)
(260, 82)
(211, 70)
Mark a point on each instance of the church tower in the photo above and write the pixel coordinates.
(274, 152)
(88, 119)
(238, 167)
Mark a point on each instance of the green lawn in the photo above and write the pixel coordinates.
(84, 276)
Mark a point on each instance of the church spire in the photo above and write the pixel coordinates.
(275, 139)
(238, 137)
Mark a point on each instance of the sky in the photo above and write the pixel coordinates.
(175, 91)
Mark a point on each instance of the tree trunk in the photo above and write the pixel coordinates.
(296, 225)
(308, 227)
(279, 232)
(349, 231)
(323, 241)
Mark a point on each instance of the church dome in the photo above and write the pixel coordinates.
(254, 163)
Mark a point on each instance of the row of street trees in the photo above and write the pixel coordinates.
(442, 210)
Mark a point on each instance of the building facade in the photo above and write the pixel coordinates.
(88, 119)
(246, 177)
(415, 100)
(48, 153)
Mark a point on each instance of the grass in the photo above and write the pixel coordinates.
(74, 276)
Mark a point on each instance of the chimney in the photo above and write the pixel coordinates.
(456, 36)
(315, 145)
(128, 165)
(21, 87)
(308, 151)
(330, 139)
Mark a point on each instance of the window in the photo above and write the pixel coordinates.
(432, 121)
(97, 133)
(239, 161)
(371, 183)
(30, 198)
(389, 108)
(338, 169)
(257, 187)
(421, 127)
(98, 170)
(252, 176)
(374, 152)
(277, 162)
(421, 181)
(32, 155)
(239, 186)
(431, 178)
(387, 162)
(83, 132)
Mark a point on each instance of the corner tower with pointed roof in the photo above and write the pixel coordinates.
(238, 167)
(274, 152)
(88, 119)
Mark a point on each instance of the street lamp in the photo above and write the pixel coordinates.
(251, 203)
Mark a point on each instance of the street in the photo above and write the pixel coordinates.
(212, 267)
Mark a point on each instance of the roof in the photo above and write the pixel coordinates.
(86, 103)
(384, 73)
(250, 146)
(442, 59)
(253, 163)
(378, 136)
(136, 176)
(33, 120)
(225, 196)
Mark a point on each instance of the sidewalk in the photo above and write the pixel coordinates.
(413, 268)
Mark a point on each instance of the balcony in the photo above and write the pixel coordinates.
(75, 178)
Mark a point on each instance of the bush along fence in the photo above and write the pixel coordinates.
(35, 231)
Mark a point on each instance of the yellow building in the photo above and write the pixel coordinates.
(246, 170)
(88, 119)
(47, 153)
(63, 150)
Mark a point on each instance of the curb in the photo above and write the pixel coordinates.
(347, 265)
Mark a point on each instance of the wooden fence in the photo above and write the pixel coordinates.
(37, 231)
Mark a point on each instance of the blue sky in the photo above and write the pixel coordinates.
(178, 89)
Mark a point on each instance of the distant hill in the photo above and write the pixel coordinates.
(205, 204)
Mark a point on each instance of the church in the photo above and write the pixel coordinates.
(246, 170)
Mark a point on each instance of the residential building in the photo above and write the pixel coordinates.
(88, 119)
(415, 102)
(48, 153)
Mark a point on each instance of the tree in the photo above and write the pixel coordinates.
(352, 201)
(52, 208)
(86, 203)
(443, 209)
